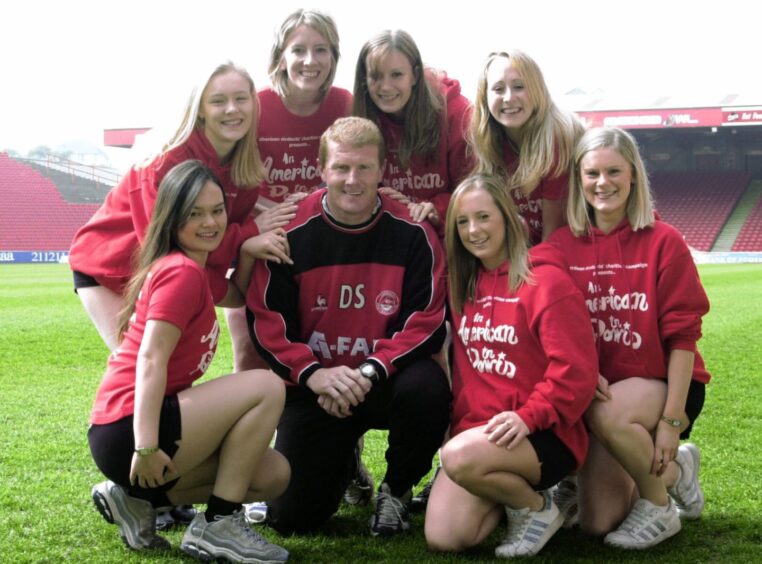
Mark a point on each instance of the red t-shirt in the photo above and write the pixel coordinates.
(530, 206)
(289, 143)
(176, 291)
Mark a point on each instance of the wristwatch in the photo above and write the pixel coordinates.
(671, 421)
(146, 451)
(369, 371)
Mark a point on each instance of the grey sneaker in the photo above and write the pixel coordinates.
(529, 531)
(231, 538)
(360, 489)
(391, 516)
(686, 492)
(565, 497)
(647, 525)
(136, 518)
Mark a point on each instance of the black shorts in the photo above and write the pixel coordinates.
(82, 280)
(556, 460)
(113, 444)
(694, 403)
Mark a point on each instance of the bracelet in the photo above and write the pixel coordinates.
(671, 422)
(147, 451)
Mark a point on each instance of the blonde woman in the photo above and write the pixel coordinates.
(645, 301)
(524, 371)
(519, 133)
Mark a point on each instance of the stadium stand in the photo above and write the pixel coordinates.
(750, 236)
(34, 215)
(78, 184)
(698, 203)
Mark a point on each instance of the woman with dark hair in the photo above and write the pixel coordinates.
(423, 117)
(160, 441)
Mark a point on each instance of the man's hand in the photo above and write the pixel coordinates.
(339, 389)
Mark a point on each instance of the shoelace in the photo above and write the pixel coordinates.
(565, 496)
(517, 526)
(239, 520)
(389, 509)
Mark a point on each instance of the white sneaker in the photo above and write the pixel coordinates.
(528, 531)
(686, 492)
(647, 525)
(255, 512)
(565, 497)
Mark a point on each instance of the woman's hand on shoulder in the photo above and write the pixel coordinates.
(296, 197)
(271, 245)
(153, 470)
(424, 210)
(506, 429)
(276, 216)
(395, 195)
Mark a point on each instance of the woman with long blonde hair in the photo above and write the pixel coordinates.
(519, 133)
(645, 302)
(218, 128)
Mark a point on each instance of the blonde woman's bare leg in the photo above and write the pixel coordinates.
(103, 306)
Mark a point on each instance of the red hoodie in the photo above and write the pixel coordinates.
(432, 179)
(104, 247)
(643, 295)
(529, 351)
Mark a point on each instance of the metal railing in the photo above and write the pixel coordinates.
(97, 174)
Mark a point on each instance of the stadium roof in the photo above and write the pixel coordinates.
(598, 108)
(705, 110)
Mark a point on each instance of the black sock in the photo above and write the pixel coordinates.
(218, 506)
(156, 499)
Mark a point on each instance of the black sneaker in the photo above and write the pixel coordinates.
(391, 517)
(360, 489)
(419, 501)
(168, 517)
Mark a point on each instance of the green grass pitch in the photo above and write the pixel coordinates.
(51, 361)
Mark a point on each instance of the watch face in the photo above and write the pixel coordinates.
(369, 371)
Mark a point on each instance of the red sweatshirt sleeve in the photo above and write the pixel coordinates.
(560, 321)
(273, 298)
(144, 186)
(681, 297)
(459, 159)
